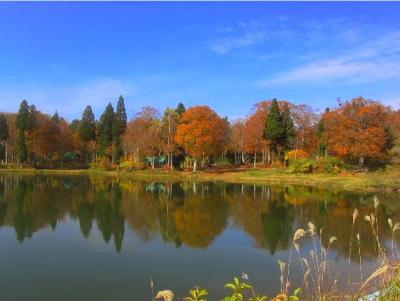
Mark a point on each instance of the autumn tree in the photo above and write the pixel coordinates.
(169, 124)
(200, 132)
(119, 127)
(50, 139)
(254, 139)
(4, 135)
(356, 130)
(237, 140)
(306, 121)
(106, 131)
(43, 139)
(142, 136)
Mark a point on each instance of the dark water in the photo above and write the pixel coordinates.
(81, 238)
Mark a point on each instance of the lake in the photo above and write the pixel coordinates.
(96, 238)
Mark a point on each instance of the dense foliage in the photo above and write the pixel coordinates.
(360, 133)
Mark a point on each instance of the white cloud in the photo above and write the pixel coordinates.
(373, 60)
(246, 39)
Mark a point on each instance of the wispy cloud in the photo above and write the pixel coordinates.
(373, 60)
(239, 35)
(249, 38)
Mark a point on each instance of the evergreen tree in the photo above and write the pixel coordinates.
(120, 118)
(322, 148)
(119, 127)
(180, 109)
(55, 118)
(74, 125)
(87, 126)
(4, 136)
(106, 129)
(32, 117)
(288, 125)
(274, 129)
(23, 122)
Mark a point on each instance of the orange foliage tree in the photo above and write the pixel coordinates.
(237, 140)
(142, 136)
(201, 132)
(50, 140)
(255, 141)
(356, 130)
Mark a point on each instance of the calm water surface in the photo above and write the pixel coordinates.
(83, 238)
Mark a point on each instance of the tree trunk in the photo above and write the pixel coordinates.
(6, 153)
(255, 159)
(242, 157)
(194, 165)
(361, 161)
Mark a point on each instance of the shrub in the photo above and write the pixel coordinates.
(103, 163)
(330, 164)
(302, 165)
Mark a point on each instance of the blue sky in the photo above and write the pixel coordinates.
(63, 56)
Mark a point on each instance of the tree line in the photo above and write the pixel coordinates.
(358, 131)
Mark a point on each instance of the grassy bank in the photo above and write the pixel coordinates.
(382, 180)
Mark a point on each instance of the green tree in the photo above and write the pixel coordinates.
(119, 128)
(55, 118)
(23, 122)
(87, 126)
(320, 129)
(4, 136)
(106, 130)
(74, 125)
(288, 125)
(274, 129)
(180, 109)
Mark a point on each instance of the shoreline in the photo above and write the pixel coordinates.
(387, 180)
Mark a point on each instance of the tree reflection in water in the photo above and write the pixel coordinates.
(187, 213)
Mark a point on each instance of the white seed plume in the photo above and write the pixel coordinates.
(332, 239)
(390, 222)
(355, 214)
(282, 266)
(376, 202)
(311, 228)
(299, 234)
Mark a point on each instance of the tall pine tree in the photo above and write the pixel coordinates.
(87, 126)
(274, 130)
(23, 123)
(106, 130)
(180, 109)
(290, 133)
(4, 136)
(119, 127)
